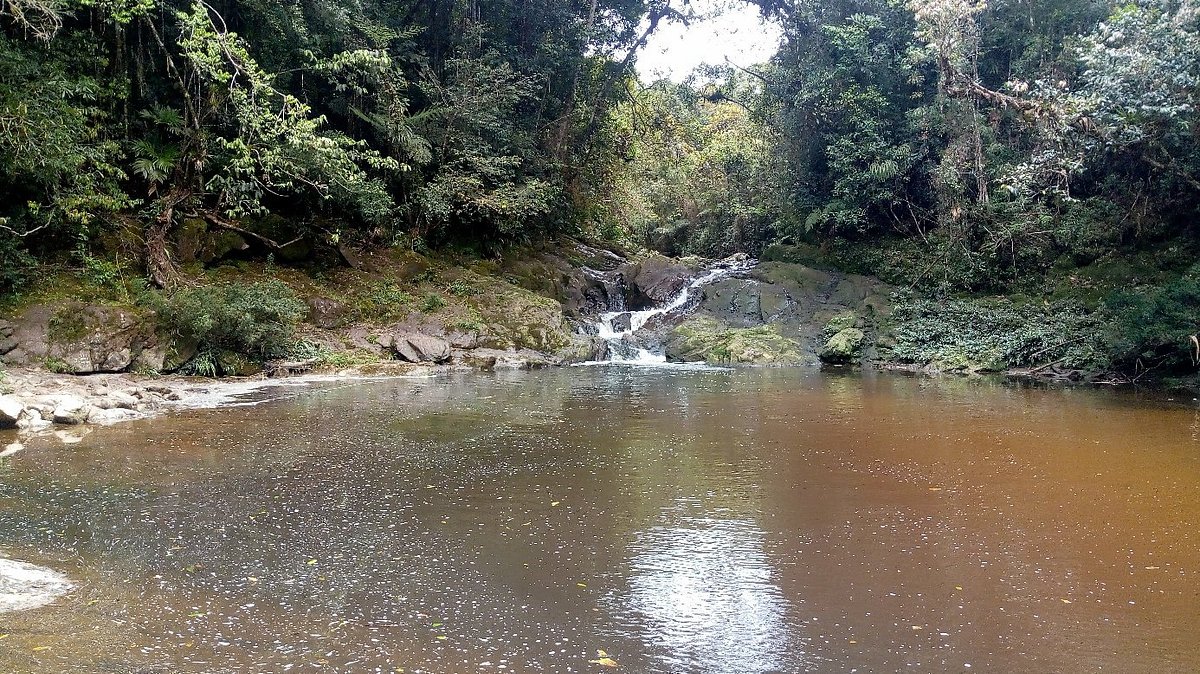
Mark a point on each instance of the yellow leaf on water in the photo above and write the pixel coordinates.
(600, 653)
(311, 562)
(3, 636)
(604, 662)
(853, 641)
(1151, 568)
(442, 637)
(1066, 601)
(41, 648)
(917, 627)
(554, 503)
(581, 584)
(958, 587)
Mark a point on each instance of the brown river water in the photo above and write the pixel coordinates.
(678, 520)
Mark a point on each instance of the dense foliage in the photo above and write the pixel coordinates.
(955, 147)
(420, 121)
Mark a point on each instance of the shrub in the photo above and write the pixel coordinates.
(256, 319)
(433, 302)
(1156, 326)
(995, 335)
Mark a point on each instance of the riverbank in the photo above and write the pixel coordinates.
(86, 350)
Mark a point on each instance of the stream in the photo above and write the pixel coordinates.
(666, 520)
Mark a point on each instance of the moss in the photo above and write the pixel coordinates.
(68, 324)
(703, 338)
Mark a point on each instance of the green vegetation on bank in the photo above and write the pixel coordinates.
(1028, 178)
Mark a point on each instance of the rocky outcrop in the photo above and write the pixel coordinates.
(71, 410)
(40, 399)
(703, 338)
(78, 338)
(655, 280)
(803, 306)
(418, 348)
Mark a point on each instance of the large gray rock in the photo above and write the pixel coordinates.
(326, 313)
(657, 279)
(416, 347)
(77, 338)
(72, 410)
(10, 411)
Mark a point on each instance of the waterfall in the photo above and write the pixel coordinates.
(619, 329)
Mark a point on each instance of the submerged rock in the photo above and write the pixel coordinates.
(24, 586)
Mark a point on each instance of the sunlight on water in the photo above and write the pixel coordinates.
(705, 595)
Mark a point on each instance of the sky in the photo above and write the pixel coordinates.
(674, 50)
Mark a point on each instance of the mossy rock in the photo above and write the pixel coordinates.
(705, 339)
(844, 347)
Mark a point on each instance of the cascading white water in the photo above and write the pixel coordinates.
(621, 350)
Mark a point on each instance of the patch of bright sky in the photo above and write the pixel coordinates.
(738, 34)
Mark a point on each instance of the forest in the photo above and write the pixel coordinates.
(1010, 165)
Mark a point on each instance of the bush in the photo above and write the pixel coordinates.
(996, 335)
(1154, 327)
(256, 319)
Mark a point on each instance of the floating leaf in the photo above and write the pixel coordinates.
(442, 637)
(603, 662)
(581, 584)
(554, 503)
(1066, 601)
(40, 648)
(1151, 568)
(311, 562)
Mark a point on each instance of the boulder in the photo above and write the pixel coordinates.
(657, 279)
(844, 347)
(621, 322)
(119, 400)
(10, 411)
(32, 420)
(72, 410)
(420, 348)
(326, 313)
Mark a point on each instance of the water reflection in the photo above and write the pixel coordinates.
(703, 594)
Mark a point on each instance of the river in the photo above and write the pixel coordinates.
(666, 520)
